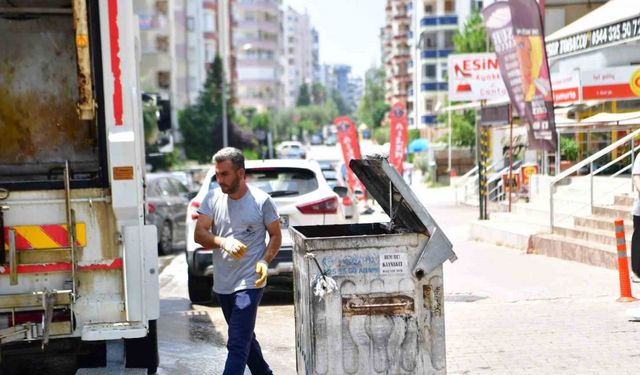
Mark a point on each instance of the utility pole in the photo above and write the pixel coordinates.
(225, 52)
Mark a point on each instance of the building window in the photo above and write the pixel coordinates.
(448, 39)
(209, 52)
(164, 80)
(162, 43)
(428, 9)
(449, 6)
(209, 22)
(428, 105)
(429, 72)
(429, 41)
(162, 6)
(444, 72)
(191, 24)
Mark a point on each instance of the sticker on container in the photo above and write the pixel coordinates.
(394, 263)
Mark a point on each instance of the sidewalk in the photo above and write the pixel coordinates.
(512, 313)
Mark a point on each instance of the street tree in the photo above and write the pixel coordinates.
(372, 107)
(304, 98)
(201, 123)
(473, 37)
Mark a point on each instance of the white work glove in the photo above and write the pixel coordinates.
(234, 247)
(261, 269)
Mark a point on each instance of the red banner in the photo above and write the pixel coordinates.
(348, 138)
(398, 135)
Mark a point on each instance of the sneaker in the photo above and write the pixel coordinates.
(635, 278)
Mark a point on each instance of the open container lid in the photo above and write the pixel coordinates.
(405, 210)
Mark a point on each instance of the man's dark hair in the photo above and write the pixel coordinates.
(232, 154)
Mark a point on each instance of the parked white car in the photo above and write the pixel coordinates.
(291, 150)
(302, 197)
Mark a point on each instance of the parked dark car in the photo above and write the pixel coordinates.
(167, 201)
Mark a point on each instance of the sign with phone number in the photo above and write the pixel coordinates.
(624, 30)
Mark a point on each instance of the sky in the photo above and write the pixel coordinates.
(349, 30)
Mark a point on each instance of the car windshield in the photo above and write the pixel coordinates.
(282, 181)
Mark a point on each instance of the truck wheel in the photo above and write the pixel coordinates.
(165, 239)
(200, 288)
(143, 352)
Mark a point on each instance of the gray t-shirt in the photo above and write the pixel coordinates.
(634, 171)
(246, 220)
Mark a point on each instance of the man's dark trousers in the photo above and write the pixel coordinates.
(240, 310)
(635, 246)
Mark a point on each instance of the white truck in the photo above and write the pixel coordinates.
(79, 266)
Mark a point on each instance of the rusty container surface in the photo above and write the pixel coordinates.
(387, 314)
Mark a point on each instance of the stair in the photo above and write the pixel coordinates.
(578, 235)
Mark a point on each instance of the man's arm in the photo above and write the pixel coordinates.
(203, 235)
(636, 181)
(275, 240)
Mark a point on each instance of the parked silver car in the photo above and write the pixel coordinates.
(167, 201)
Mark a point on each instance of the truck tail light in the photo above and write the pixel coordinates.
(150, 208)
(325, 206)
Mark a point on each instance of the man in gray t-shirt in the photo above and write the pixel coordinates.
(234, 220)
(635, 239)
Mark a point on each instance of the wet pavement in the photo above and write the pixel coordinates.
(192, 338)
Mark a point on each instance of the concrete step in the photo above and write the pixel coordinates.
(514, 234)
(602, 222)
(615, 212)
(587, 252)
(599, 236)
(623, 200)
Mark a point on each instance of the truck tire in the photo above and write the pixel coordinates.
(143, 352)
(200, 288)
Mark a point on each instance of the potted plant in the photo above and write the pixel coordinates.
(568, 152)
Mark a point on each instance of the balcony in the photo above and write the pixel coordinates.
(439, 20)
(436, 53)
(429, 119)
(434, 86)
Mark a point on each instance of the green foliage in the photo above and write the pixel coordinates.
(250, 154)
(463, 129)
(310, 118)
(473, 37)
(150, 121)
(304, 98)
(201, 123)
(412, 135)
(372, 107)
(318, 94)
(568, 148)
(381, 135)
(341, 104)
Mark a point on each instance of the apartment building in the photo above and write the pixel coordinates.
(396, 53)
(299, 47)
(258, 42)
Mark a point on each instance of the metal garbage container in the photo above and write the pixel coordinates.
(387, 314)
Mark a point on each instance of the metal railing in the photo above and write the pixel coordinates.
(469, 183)
(593, 171)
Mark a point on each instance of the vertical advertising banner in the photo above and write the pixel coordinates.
(398, 135)
(348, 138)
(515, 28)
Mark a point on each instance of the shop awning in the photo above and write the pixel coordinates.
(605, 118)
